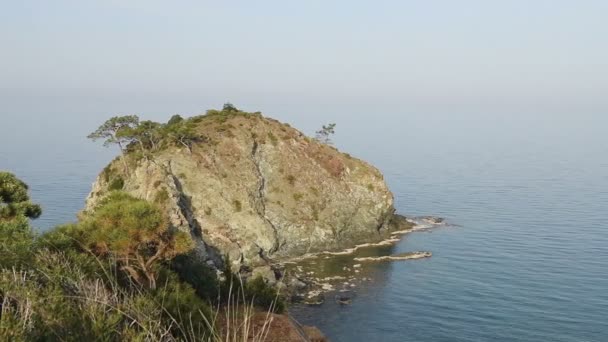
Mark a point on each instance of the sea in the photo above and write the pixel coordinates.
(524, 258)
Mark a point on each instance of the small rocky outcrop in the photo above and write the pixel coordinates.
(396, 257)
(257, 190)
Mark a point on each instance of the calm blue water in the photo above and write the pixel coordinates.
(528, 261)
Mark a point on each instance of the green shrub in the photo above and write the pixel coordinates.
(107, 173)
(162, 196)
(117, 184)
(175, 119)
(201, 277)
(181, 305)
(297, 196)
(16, 241)
(264, 296)
(71, 283)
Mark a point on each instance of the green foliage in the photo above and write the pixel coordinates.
(107, 173)
(139, 139)
(297, 196)
(67, 237)
(183, 133)
(200, 276)
(324, 134)
(175, 119)
(229, 107)
(117, 183)
(71, 283)
(14, 199)
(182, 305)
(16, 241)
(16, 235)
(148, 134)
(162, 196)
(116, 130)
(128, 132)
(62, 298)
(136, 233)
(264, 296)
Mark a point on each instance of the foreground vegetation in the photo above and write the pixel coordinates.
(119, 274)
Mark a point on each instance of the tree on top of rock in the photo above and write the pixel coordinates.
(175, 119)
(148, 134)
(117, 130)
(183, 133)
(324, 134)
(229, 107)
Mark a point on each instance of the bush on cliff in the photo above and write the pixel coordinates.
(135, 233)
(16, 236)
(70, 284)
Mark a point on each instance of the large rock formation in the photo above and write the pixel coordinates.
(256, 189)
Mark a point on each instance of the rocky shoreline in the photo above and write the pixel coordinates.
(312, 278)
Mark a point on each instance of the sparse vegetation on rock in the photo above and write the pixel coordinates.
(207, 168)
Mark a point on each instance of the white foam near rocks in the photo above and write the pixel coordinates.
(405, 256)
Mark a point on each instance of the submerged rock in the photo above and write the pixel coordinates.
(344, 297)
(258, 191)
(314, 298)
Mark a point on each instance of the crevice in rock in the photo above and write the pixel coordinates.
(259, 202)
(184, 204)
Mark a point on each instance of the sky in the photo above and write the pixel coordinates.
(300, 58)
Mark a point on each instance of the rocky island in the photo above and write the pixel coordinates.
(202, 228)
(253, 190)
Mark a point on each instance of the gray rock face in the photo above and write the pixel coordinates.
(257, 190)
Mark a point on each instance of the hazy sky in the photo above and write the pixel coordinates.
(427, 55)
